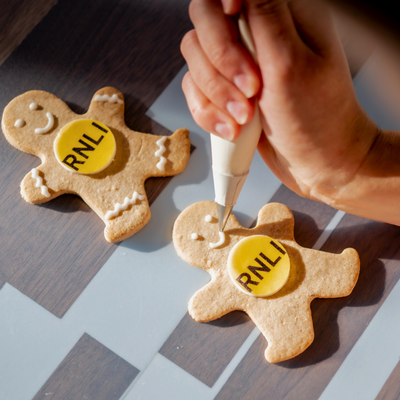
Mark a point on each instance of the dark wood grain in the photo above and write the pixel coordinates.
(52, 251)
(204, 350)
(391, 389)
(80, 47)
(17, 19)
(338, 323)
(89, 371)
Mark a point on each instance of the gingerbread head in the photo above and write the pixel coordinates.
(94, 155)
(283, 315)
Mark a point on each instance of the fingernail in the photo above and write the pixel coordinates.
(224, 131)
(245, 85)
(238, 111)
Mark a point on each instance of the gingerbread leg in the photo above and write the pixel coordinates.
(340, 272)
(179, 144)
(289, 334)
(126, 219)
(170, 153)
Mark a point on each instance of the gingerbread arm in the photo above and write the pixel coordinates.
(35, 187)
(107, 103)
(212, 301)
(275, 220)
(169, 154)
(333, 275)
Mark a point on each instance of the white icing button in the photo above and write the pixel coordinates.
(195, 236)
(33, 106)
(208, 218)
(19, 123)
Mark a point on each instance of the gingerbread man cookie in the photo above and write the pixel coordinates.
(242, 262)
(94, 155)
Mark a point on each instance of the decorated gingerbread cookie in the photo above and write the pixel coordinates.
(94, 155)
(263, 272)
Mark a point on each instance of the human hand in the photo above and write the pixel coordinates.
(316, 134)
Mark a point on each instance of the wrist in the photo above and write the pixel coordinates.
(374, 190)
(342, 178)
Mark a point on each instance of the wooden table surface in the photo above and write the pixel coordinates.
(54, 256)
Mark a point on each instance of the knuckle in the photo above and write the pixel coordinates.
(195, 105)
(285, 73)
(287, 66)
(198, 112)
(211, 86)
(219, 55)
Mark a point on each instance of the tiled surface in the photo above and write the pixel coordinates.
(126, 332)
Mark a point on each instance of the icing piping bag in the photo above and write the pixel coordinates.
(231, 160)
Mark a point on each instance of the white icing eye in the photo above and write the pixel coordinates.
(208, 218)
(194, 236)
(19, 123)
(33, 106)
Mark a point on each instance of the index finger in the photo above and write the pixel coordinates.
(219, 38)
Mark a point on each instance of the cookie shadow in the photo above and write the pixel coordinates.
(232, 319)
(66, 204)
(306, 230)
(76, 108)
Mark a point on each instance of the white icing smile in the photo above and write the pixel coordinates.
(160, 152)
(220, 242)
(105, 97)
(121, 207)
(49, 125)
(39, 183)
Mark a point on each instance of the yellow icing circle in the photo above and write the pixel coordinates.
(259, 266)
(85, 146)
